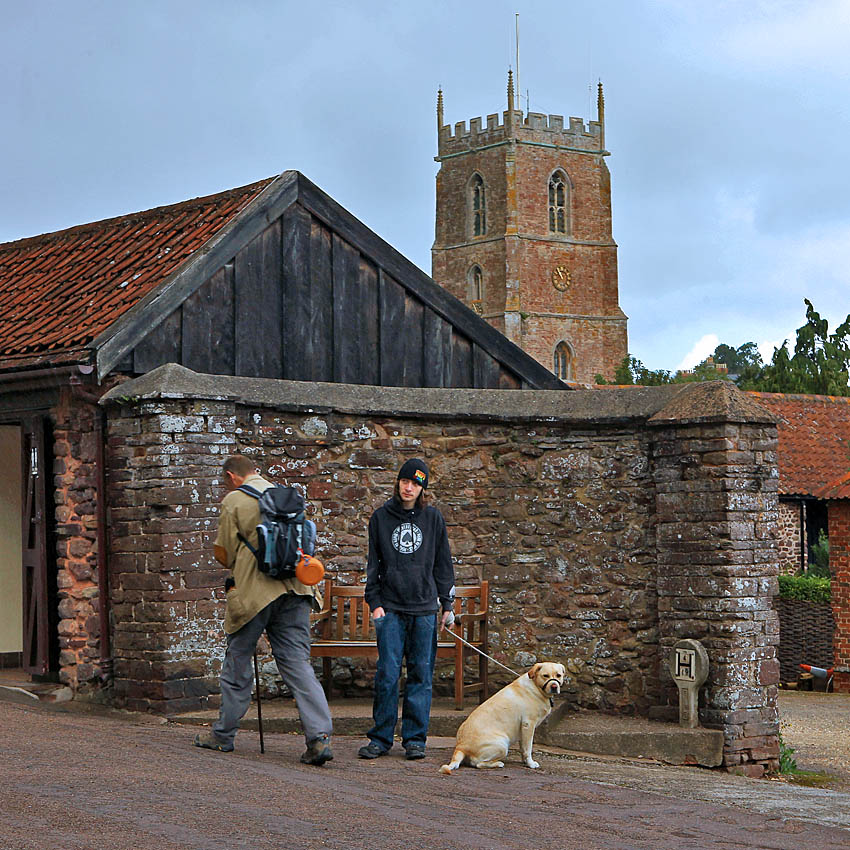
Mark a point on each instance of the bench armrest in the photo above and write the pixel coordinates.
(468, 618)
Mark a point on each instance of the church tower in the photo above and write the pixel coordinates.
(523, 235)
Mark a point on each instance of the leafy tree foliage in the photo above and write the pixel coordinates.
(632, 371)
(820, 363)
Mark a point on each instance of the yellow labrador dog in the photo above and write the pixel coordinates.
(510, 715)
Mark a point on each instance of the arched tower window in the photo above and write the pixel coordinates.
(475, 289)
(558, 197)
(563, 361)
(477, 205)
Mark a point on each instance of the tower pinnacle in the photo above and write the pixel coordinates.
(439, 109)
(600, 111)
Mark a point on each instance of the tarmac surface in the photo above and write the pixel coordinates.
(85, 778)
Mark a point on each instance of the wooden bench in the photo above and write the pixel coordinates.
(345, 630)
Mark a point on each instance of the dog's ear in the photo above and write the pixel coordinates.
(533, 671)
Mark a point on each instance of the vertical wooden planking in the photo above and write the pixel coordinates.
(436, 348)
(412, 342)
(485, 369)
(368, 324)
(507, 380)
(295, 293)
(346, 304)
(391, 343)
(321, 300)
(161, 345)
(461, 361)
(259, 323)
(207, 326)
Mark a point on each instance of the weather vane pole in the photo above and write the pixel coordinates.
(518, 87)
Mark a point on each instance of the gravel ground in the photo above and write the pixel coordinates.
(89, 780)
(817, 727)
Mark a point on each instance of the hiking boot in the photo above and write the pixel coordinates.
(318, 751)
(371, 751)
(413, 752)
(209, 742)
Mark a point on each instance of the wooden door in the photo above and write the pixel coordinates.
(34, 548)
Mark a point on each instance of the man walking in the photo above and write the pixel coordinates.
(409, 570)
(257, 603)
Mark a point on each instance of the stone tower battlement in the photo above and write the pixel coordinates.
(528, 127)
(513, 125)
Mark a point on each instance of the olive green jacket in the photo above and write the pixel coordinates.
(253, 590)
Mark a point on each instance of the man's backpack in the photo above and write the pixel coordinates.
(283, 533)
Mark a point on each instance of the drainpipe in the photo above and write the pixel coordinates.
(102, 552)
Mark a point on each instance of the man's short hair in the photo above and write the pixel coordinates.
(240, 465)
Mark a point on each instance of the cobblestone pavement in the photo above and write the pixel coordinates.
(107, 780)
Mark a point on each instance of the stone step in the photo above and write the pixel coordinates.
(35, 692)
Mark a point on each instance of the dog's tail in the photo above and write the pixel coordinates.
(457, 758)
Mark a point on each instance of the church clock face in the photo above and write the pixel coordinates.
(561, 278)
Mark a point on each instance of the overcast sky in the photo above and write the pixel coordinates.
(727, 122)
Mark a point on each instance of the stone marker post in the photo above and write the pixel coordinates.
(689, 669)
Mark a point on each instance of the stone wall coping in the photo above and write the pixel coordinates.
(593, 407)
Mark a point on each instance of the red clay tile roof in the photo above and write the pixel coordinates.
(59, 291)
(814, 444)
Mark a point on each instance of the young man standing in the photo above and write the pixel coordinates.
(257, 603)
(409, 570)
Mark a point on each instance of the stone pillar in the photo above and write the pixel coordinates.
(716, 494)
(74, 479)
(839, 568)
(167, 590)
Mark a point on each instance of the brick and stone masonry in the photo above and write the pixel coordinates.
(74, 471)
(839, 567)
(608, 524)
(791, 531)
(539, 287)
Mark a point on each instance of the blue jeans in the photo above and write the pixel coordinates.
(413, 638)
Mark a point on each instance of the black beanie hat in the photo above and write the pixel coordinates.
(416, 471)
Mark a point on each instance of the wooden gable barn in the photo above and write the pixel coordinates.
(271, 280)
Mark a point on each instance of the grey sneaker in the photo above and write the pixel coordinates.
(414, 751)
(209, 742)
(370, 751)
(318, 751)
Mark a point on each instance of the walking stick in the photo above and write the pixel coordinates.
(259, 704)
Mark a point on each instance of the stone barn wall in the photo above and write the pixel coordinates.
(790, 534)
(556, 498)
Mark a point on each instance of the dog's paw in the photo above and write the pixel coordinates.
(533, 764)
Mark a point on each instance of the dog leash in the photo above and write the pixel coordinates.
(467, 643)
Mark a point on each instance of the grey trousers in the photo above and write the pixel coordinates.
(286, 621)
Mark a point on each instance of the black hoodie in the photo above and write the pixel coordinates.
(410, 563)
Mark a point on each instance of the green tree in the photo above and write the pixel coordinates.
(744, 362)
(705, 371)
(632, 371)
(820, 363)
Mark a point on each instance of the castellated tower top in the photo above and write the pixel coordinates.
(513, 125)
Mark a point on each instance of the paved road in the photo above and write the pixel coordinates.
(86, 782)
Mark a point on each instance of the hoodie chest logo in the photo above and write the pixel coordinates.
(407, 538)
